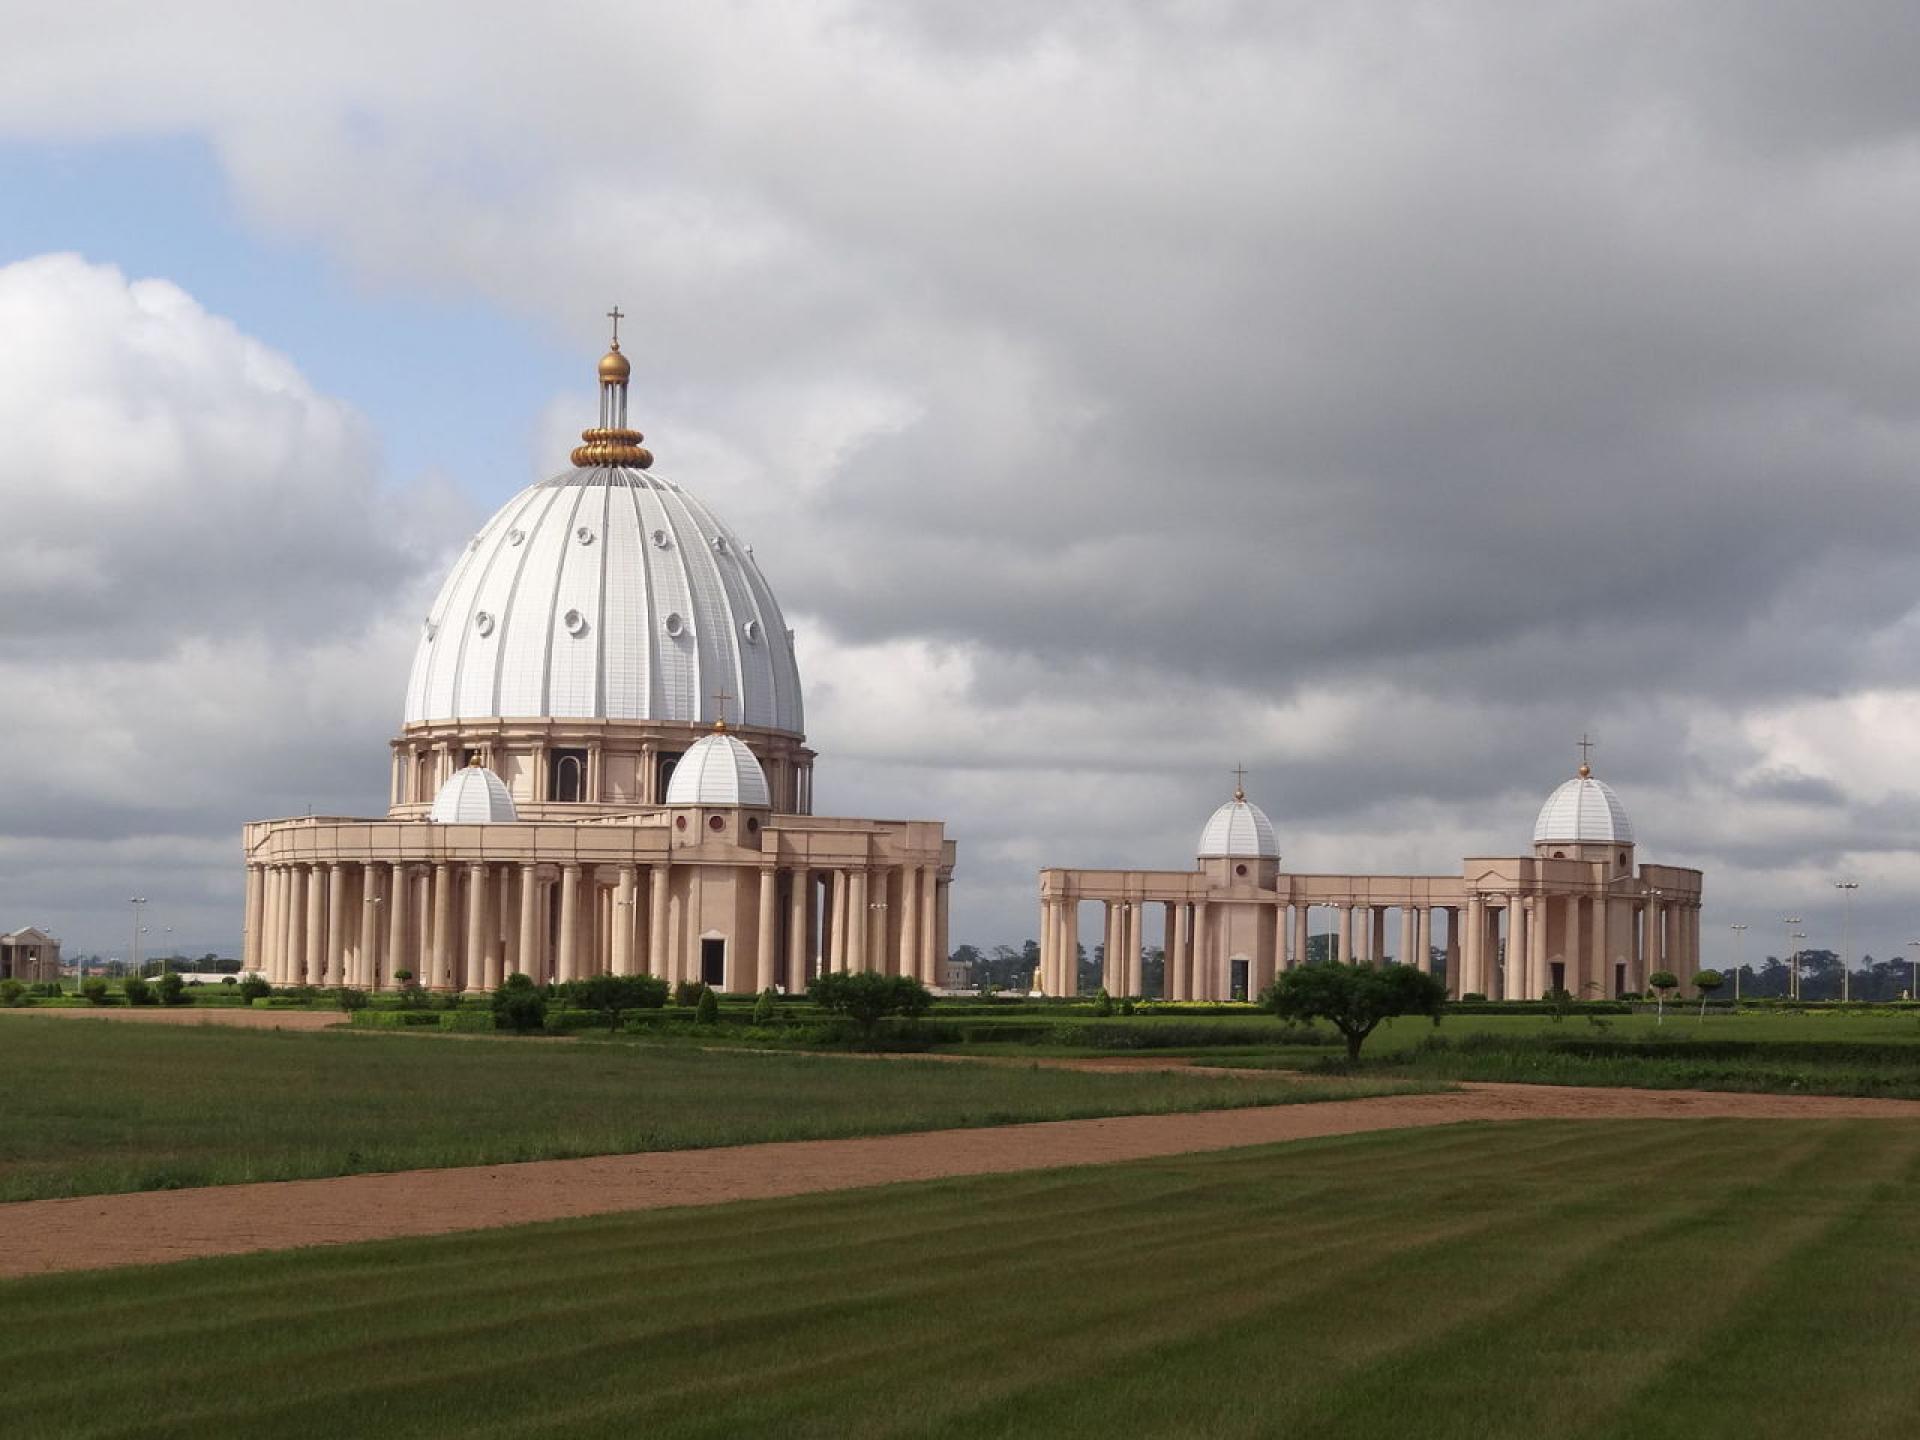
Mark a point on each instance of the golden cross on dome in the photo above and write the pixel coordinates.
(1240, 782)
(1586, 756)
(616, 315)
(722, 697)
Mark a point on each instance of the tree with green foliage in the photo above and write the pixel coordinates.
(1354, 999)
(519, 1006)
(94, 988)
(1102, 1002)
(137, 990)
(173, 990)
(763, 1008)
(707, 1012)
(866, 998)
(1662, 983)
(614, 995)
(13, 993)
(255, 986)
(1706, 982)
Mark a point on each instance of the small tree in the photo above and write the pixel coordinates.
(137, 991)
(173, 990)
(866, 998)
(350, 999)
(1706, 982)
(1354, 999)
(707, 1012)
(95, 989)
(519, 1006)
(1661, 982)
(255, 987)
(763, 1007)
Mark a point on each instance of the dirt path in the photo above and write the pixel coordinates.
(245, 1019)
(93, 1232)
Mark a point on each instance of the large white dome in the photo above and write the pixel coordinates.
(606, 593)
(718, 770)
(1584, 811)
(1239, 829)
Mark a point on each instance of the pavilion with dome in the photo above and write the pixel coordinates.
(601, 768)
(1575, 914)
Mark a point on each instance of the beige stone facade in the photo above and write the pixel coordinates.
(30, 955)
(1571, 915)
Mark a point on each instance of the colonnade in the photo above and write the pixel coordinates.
(1501, 946)
(464, 925)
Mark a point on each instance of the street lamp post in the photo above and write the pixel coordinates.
(1739, 957)
(1846, 889)
(1913, 984)
(1797, 937)
(1793, 981)
(134, 964)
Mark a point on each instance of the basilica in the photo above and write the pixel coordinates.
(602, 768)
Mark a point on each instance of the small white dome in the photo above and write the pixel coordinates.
(719, 770)
(1239, 829)
(1584, 811)
(473, 795)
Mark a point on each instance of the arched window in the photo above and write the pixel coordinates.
(569, 777)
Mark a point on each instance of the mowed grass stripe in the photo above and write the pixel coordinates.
(1340, 1287)
(96, 1107)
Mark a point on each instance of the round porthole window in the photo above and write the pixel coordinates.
(753, 826)
(583, 535)
(514, 537)
(675, 625)
(716, 822)
(659, 539)
(719, 544)
(752, 631)
(575, 622)
(1240, 870)
(679, 822)
(483, 622)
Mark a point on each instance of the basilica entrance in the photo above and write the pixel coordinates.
(1237, 977)
(713, 963)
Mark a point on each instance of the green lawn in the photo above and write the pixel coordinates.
(1734, 1279)
(95, 1106)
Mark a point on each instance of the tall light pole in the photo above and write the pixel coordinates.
(1913, 984)
(1793, 983)
(1797, 937)
(136, 901)
(1846, 889)
(1739, 957)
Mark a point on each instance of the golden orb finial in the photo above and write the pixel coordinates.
(611, 443)
(615, 368)
(1585, 772)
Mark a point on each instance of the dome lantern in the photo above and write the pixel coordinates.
(1239, 829)
(611, 442)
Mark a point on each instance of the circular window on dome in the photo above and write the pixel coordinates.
(716, 822)
(430, 628)
(753, 826)
(659, 539)
(583, 535)
(719, 544)
(675, 626)
(514, 537)
(575, 622)
(483, 622)
(752, 631)
(679, 822)
(1240, 870)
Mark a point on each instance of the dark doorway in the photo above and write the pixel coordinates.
(1559, 973)
(1239, 981)
(665, 765)
(1619, 982)
(713, 963)
(567, 776)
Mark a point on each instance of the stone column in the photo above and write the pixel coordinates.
(1656, 939)
(1069, 945)
(267, 961)
(1601, 970)
(1453, 951)
(837, 920)
(442, 976)
(857, 920)
(1170, 945)
(1409, 937)
(1423, 938)
(933, 962)
(626, 895)
(767, 941)
(1132, 942)
(568, 959)
(1109, 949)
(336, 883)
(367, 971)
(1473, 979)
(1693, 941)
(1377, 950)
(1337, 936)
(797, 884)
(526, 953)
(1537, 914)
(399, 883)
(1302, 929)
(251, 923)
(480, 954)
(910, 926)
(1200, 955)
(942, 917)
(657, 907)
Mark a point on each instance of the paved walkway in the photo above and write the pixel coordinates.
(43, 1236)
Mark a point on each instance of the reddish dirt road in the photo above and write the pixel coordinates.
(247, 1019)
(95, 1232)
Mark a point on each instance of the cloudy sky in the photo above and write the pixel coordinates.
(1376, 395)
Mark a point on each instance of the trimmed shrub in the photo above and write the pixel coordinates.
(866, 998)
(612, 995)
(13, 993)
(350, 1000)
(95, 990)
(467, 1021)
(393, 1019)
(519, 1006)
(137, 991)
(688, 992)
(763, 1008)
(254, 987)
(45, 989)
(173, 990)
(1102, 1002)
(707, 1012)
